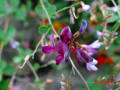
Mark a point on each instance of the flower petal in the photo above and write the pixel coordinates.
(61, 47)
(59, 59)
(94, 62)
(91, 67)
(66, 34)
(85, 56)
(78, 56)
(100, 34)
(67, 53)
(52, 39)
(95, 44)
(85, 7)
(91, 50)
(48, 49)
(83, 26)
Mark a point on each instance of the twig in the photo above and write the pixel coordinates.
(47, 64)
(80, 75)
(65, 8)
(50, 22)
(32, 69)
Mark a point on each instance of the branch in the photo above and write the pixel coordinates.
(80, 75)
(50, 22)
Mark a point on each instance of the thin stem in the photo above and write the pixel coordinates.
(32, 69)
(80, 75)
(114, 3)
(2, 43)
(50, 22)
(65, 8)
(13, 78)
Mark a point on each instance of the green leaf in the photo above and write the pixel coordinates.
(4, 85)
(116, 25)
(10, 33)
(17, 59)
(36, 66)
(3, 64)
(14, 3)
(2, 6)
(94, 86)
(38, 83)
(20, 14)
(114, 17)
(9, 70)
(43, 29)
(2, 34)
(51, 9)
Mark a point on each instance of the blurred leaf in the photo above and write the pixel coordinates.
(10, 33)
(50, 8)
(2, 6)
(43, 29)
(2, 34)
(94, 86)
(38, 83)
(17, 59)
(9, 70)
(114, 17)
(4, 85)
(14, 3)
(20, 13)
(3, 64)
(36, 66)
(116, 25)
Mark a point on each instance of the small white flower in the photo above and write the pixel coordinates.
(85, 7)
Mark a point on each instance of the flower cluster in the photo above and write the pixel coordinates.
(66, 44)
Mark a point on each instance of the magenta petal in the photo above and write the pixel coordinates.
(48, 49)
(61, 47)
(59, 59)
(66, 34)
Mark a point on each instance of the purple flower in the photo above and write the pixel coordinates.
(83, 26)
(61, 48)
(91, 65)
(66, 44)
(91, 48)
(100, 34)
(14, 44)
